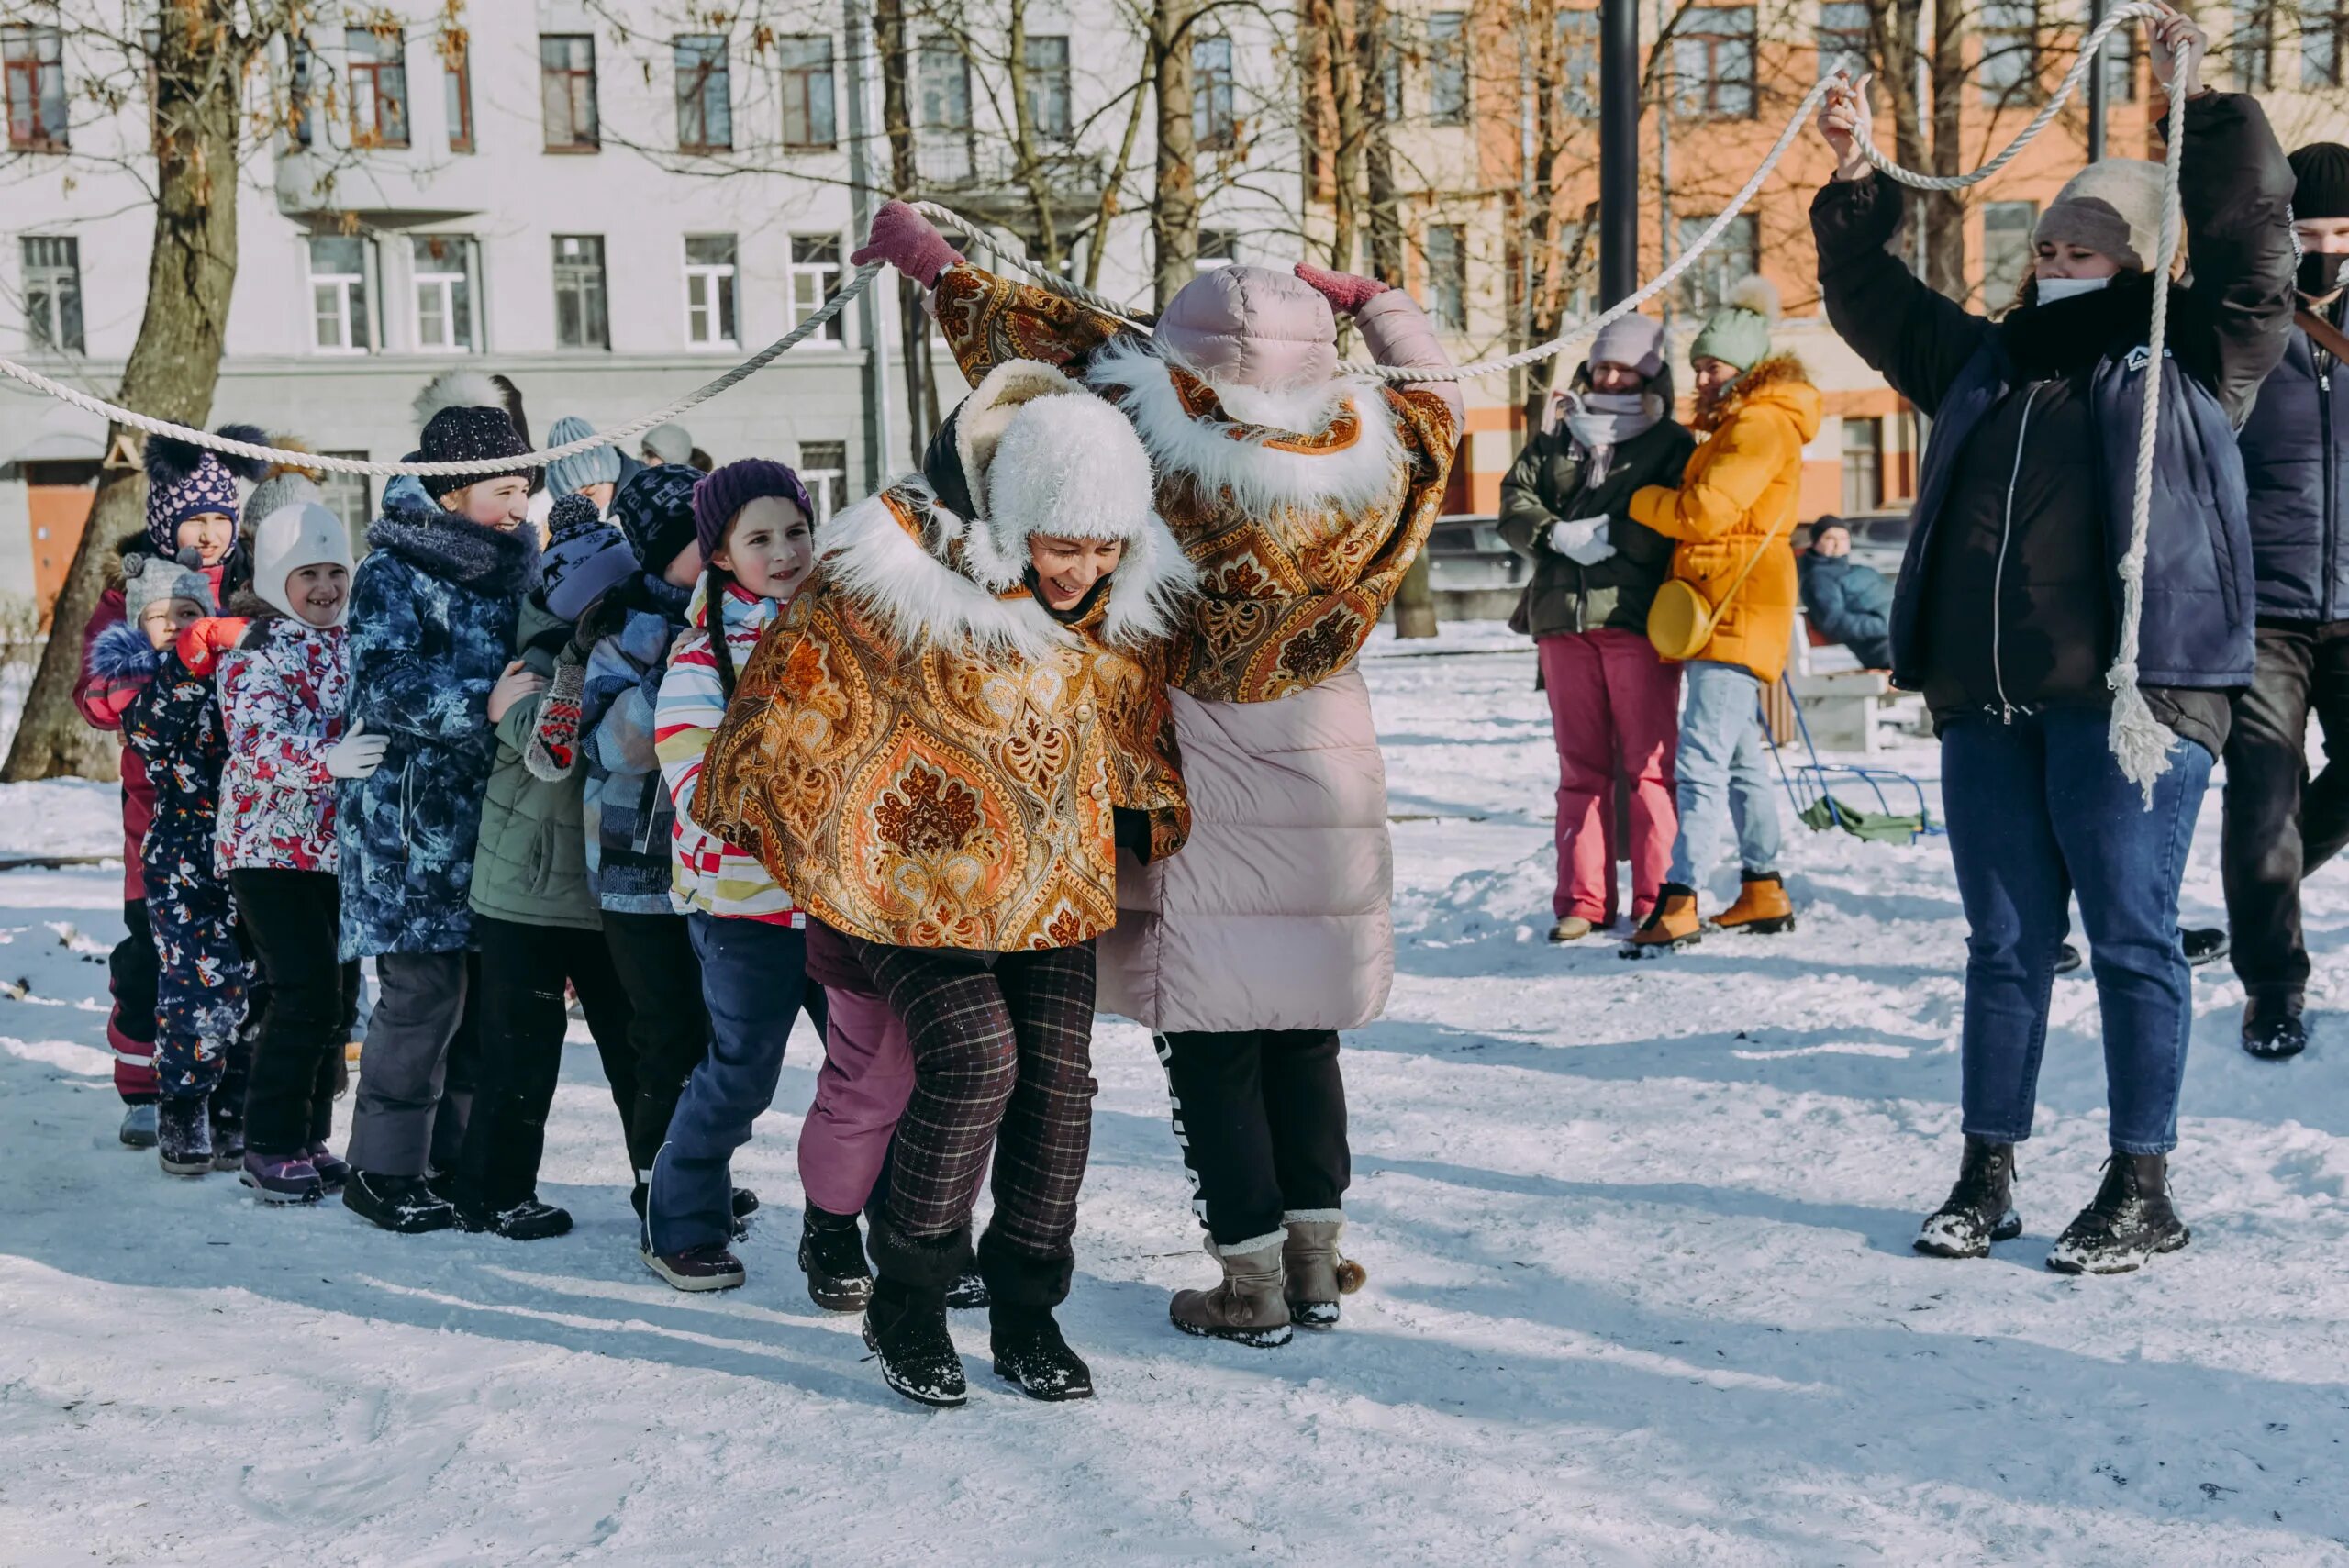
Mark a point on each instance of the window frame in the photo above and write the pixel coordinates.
(2251, 45)
(713, 291)
(1871, 449)
(1709, 94)
(354, 309)
(551, 71)
(1708, 279)
(336, 482)
(457, 89)
(712, 72)
(827, 485)
(2014, 42)
(1054, 117)
(447, 280)
(1831, 40)
(1447, 288)
(800, 78)
(2326, 65)
(63, 316)
(1214, 109)
(1995, 300)
(385, 80)
(935, 87)
(32, 75)
(798, 270)
(598, 272)
(1579, 63)
(1451, 90)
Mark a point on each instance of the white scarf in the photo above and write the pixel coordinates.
(1601, 421)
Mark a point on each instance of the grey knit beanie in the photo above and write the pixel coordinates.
(2114, 208)
(668, 444)
(1634, 341)
(597, 465)
(291, 488)
(148, 579)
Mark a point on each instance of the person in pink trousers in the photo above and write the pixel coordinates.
(1614, 702)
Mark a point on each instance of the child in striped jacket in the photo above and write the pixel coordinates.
(755, 526)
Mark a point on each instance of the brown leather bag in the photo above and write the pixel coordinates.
(2325, 332)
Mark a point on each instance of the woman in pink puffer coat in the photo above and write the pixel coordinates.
(1302, 496)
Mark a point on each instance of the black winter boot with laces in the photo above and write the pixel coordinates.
(1980, 1208)
(2130, 1220)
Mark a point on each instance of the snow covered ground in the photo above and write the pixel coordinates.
(1638, 1236)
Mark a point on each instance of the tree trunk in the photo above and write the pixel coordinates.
(1175, 214)
(897, 125)
(174, 365)
(1386, 211)
(1944, 211)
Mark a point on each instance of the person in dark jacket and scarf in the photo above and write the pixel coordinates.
(2280, 824)
(1614, 702)
(1847, 600)
(2010, 600)
(433, 609)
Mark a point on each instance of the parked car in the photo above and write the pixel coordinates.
(1465, 553)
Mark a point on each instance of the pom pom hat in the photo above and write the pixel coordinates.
(150, 580)
(1738, 333)
(469, 435)
(585, 556)
(185, 480)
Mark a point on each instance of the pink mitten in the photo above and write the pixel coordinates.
(1344, 291)
(909, 243)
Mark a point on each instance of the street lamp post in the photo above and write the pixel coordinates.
(1618, 149)
(2096, 89)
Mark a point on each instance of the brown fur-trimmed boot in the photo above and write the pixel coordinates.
(1248, 1308)
(1317, 1272)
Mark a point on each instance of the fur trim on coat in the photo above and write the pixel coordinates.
(122, 652)
(485, 559)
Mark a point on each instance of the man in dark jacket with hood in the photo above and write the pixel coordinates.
(1848, 601)
(2280, 824)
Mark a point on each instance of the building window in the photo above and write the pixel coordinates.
(1447, 68)
(710, 290)
(1712, 63)
(441, 269)
(306, 88)
(1578, 64)
(347, 498)
(1050, 108)
(52, 292)
(1863, 464)
(2251, 46)
(2324, 41)
(2007, 253)
(823, 468)
(945, 151)
(1735, 256)
(377, 63)
(1214, 124)
(579, 321)
(457, 90)
(705, 94)
(1218, 247)
(2010, 34)
(1846, 27)
(807, 114)
(815, 279)
(339, 294)
(1446, 249)
(33, 61)
(567, 92)
(2121, 66)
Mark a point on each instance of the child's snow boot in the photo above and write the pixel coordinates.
(405, 1205)
(905, 1328)
(1762, 907)
(707, 1267)
(1673, 923)
(1030, 1354)
(1980, 1208)
(525, 1220)
(138, 1129)
(334, 1171)
(1248, 1308)
(281, 1178)
(831, 1252)
(228, 1116)
(1316, 1273)
(2130, 1219)
(183, 1137)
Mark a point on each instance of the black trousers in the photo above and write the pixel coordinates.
(1259, 1116)
(291, 919)
(2277, 824)
(524, 968)
(668, 1029)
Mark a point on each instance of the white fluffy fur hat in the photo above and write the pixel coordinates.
(1042, 455)
(291, 538)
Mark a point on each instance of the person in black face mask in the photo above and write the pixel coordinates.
(2280, 823)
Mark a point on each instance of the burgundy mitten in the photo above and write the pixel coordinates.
(1346, 291)
(909, 243)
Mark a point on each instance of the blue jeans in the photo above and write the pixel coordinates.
(1723, 778)
(753, 977)
(2038, 811)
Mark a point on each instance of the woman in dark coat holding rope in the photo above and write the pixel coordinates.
(2011, 608)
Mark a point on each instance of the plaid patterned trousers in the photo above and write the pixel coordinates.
(1002, 1055)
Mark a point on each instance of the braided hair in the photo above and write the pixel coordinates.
(716, 584)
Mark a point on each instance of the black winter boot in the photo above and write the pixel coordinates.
(227, 1111)
(402, 1204)
(2129, 1221)
(832, 1255)
(1030, 1354)
(1980, 1208)
(2272, 1029)
(183, 1137)
(905, 1328)
(525, 1220)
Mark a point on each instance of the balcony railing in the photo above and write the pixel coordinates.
(985, 172)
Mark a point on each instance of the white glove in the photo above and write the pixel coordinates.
(357, 755)
(1584, 540)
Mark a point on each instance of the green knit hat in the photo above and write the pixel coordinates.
(1738, 332)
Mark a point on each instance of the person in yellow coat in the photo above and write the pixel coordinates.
(1732, 517)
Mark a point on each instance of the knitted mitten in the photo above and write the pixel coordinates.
(554, 744)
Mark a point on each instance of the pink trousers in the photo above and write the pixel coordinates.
(1616, 706)
(861, 1090)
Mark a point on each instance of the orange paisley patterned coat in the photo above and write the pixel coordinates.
(926, 764)
(1300, 542)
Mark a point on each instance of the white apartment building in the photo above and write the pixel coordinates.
(609, 203)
